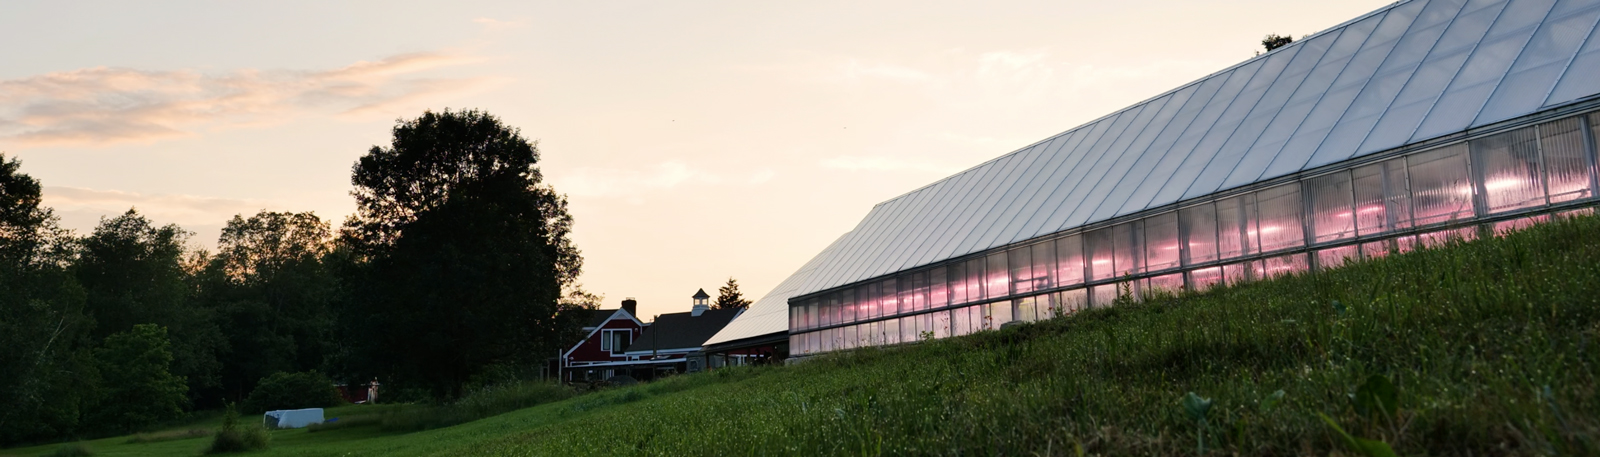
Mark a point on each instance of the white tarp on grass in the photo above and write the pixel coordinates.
(292, 418)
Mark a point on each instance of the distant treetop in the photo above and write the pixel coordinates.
(1274, 41)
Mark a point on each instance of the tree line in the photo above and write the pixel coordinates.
(456, 270)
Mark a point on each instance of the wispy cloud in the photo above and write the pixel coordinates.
(635, 185)
(108, 105)
(631, 184)
(82, 208)
(165, 208)
(856, 70)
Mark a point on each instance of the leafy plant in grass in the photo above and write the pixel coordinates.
(1196, 408)
(1377, 401)
(292, 391)
(236, 438)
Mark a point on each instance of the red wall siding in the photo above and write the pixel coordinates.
(589, 350)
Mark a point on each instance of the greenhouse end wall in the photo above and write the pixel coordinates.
(1502, 181)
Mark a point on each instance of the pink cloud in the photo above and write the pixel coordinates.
(108, 105)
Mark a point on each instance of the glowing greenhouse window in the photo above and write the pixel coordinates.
(1280, 209)
(1161, 245)
(1097, 248)
(1333, 216)
(1509, 166)
(1441, 187)
(1382, 197)
(1069, 261)
(1565, 160)
(1198, 226)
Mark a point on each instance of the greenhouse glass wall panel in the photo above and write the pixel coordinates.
(1420, 123)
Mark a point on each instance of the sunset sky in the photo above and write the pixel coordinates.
(696, 140)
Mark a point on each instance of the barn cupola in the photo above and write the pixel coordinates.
(701, 303)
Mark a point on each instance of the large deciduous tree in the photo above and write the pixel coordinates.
(465, 253)
(273, 291)
(134, 272)
(47, 376)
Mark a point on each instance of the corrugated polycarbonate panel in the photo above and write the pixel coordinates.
(1308, 97)
(1120, 154)
(933, 224)
(1336, 100)
(1098, 160)
(1265, 129)
(930, 201)
(1147, 156)
(1053, 193)
(1410, 72)
(1231, 135)
(1006, 206)
(1542, 61)
(1171, 157)
(1488, 64)
(880, 242)
(975, 216)
(1380, 90)
(1405, 113)
(1028, 200)
(1578, 80)
(934, 208)
(1173, 187)
(1073, 171)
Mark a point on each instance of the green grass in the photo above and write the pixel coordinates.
(1485, 348)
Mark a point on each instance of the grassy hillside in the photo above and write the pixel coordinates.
(1486, 348)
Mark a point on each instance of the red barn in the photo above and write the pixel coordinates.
(600, 354)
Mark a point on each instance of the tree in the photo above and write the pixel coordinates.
(139, 388)
(463, 253)
(47, 375)
(1273, 41)
(728, 296)
(133, 272)
(274, 294)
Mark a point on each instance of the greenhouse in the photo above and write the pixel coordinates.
(1423, 121)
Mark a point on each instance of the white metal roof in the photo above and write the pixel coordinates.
(770, 314)
(1409, 72)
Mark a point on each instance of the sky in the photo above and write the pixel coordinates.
(696, 140)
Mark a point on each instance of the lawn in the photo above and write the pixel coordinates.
(1482, 348)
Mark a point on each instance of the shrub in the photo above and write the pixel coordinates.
(292, 391)
(72, 450)
(233, 438)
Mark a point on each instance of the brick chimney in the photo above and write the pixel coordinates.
(632, 306)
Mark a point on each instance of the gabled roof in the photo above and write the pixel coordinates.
(598, 318)
(682, 330)
(1409, 72)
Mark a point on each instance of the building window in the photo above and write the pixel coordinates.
(615, 341)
